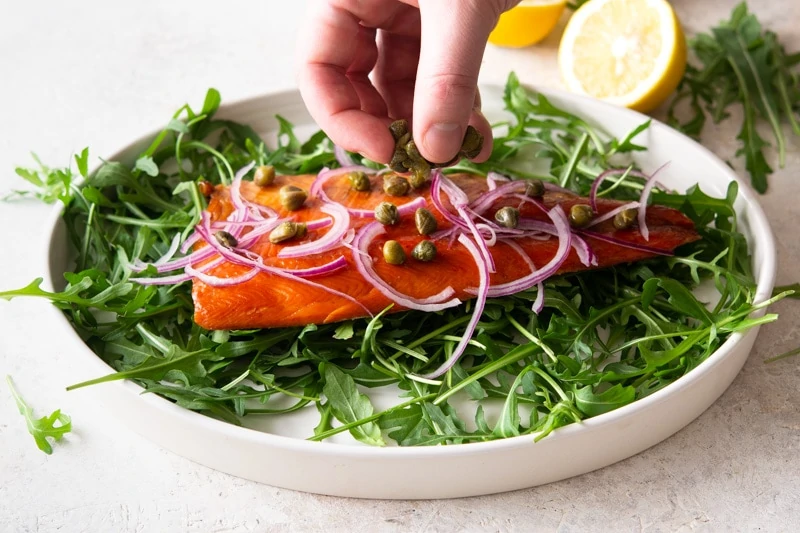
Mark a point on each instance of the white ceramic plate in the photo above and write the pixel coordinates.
(278, 455)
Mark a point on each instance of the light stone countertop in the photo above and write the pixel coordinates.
(99, 74)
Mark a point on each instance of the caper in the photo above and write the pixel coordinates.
(425, 221)
(625, 219)
(226, 239)
(508, 217)
(399, 158)
(386, 213)
(264, 176)
(395, 185)
(359, 181)
(424, 251)
(472, 144)
(398, 128)
(285, 231)
(419, 166)
(393, 253)
(292, 198)
(534, 188)
(205, 187)
(580, 215)
(302, 230)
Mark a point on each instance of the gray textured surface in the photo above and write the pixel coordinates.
(89, 74)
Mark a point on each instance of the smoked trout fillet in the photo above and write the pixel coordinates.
(270, 301)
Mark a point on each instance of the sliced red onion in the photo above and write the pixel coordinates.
(486, 228)
(205, 231)
(481, 204)
(363, 263)
(480, 303)
(348, 236)
(605, 174)
(526, 282)
(582, 248)
(319, 223)
(648, 186)
(538, 303)
(342, 157)
(437, 183)
(625, 244)
(216, 281)
(611, 214)
(412, 206)
(493, 177)
(328, 268)
(173, 247)
(331, 239)
(190, 241)
(484, 249)
(166, 280)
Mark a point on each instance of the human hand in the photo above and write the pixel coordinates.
(367, 63)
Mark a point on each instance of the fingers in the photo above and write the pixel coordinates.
(447, 76)
(479, 122)
(334, 84)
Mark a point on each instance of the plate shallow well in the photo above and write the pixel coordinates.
(276, 452)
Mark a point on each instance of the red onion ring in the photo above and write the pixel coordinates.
(363, 263)
(480, 303)
(331, 239)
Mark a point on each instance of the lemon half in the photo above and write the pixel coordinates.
(628, 52)
(527, 23)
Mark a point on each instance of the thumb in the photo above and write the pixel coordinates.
(454, 35)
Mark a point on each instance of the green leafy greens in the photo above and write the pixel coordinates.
(42, 428)
(740, 63)
(604, 339)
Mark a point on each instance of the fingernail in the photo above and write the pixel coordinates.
(442, 140)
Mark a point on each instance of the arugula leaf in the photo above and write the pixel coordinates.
(591, 403)
(349, 405)
(43, 428)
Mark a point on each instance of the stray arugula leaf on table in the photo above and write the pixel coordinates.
(43, 428)
(742, 64)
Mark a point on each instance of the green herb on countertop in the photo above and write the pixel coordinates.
(739, 63)
(43, 428)
(637, 330)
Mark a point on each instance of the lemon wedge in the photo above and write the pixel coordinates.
(527, 23)
(628, 52)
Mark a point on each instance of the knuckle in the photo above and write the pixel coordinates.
(450, 88)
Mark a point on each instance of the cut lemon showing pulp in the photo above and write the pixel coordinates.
(528, 23)
(628, 52)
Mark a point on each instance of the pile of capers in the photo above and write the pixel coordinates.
(407, 158)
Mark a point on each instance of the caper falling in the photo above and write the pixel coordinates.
(425, 221)
(292, 198)
(424, 251)
(359, 181)
(625, 219)
(395, 185)
(580, 215)
(393, 253)
(534, 188)
(386, 213)
(226, 239)
(264, 176)
(508, 217)
(287, 230)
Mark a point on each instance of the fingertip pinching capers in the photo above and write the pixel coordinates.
(288, 230)
(387, 214)
(292, 198)
(425, 221)
(508, 217)
(264, 176)
(359, 181)
(424, 251)
(625, 219)
(393, 253)
(580, 215)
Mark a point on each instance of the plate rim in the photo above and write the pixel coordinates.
(764, 285)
